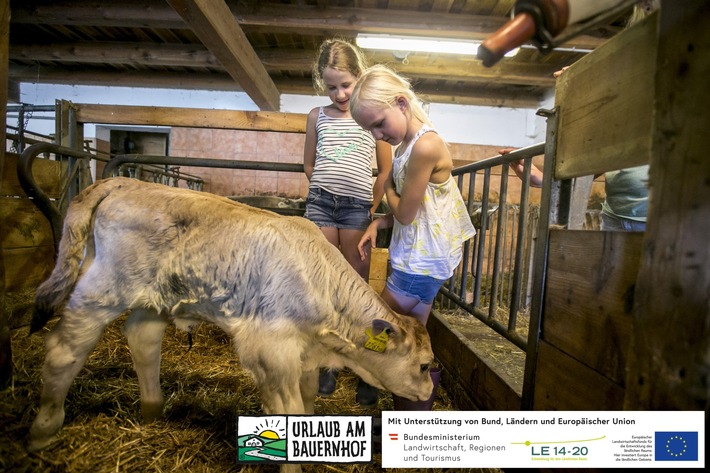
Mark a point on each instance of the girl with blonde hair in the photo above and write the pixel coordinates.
(428, 215)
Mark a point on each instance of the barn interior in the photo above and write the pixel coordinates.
(547, 312)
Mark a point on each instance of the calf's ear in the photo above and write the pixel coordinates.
(336, 341)
(379, 325)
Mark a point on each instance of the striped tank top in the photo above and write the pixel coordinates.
(344, 157)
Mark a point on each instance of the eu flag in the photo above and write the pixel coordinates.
(676, 446)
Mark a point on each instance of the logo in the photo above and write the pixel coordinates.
(676, 446)
(261, 439)
(304, 439)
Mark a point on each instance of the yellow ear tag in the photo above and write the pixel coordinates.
(376, 343)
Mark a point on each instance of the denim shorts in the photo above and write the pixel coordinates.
(330, 210)
(614, 223)
(419, 286)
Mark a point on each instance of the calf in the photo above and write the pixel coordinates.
(286, 296)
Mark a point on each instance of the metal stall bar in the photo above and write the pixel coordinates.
(549, 204)
(29, 185)
(514, 296)
(197, 162)
(482, 238)
(485, 166)
(467, 245)
(499, 247)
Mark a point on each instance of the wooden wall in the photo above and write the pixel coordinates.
(587, 318)
(470, 374)
(669, 349)
(626, 318)
(587, 324)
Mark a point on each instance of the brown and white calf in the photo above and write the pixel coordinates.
(286, 296)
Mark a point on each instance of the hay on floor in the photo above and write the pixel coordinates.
(205, 389)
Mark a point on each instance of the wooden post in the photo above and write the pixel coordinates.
(5, 347)
(669, 357)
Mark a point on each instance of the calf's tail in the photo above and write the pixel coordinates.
(53, 293)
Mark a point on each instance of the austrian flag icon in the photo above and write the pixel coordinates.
(394, 436)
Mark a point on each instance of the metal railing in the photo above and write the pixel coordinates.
(493, 282)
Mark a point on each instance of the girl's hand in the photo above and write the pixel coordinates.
(368, 240)
(518, 168)
(557, 74)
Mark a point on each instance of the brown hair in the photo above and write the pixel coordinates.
(340, 55)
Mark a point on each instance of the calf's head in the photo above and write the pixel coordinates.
(392, 355)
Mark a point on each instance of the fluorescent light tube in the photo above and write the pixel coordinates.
(422, 44)
(414, 43)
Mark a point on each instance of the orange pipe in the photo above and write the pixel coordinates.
(517, 31)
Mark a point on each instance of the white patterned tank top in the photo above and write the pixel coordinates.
(432, 244)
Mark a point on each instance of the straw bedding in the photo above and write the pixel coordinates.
(205, 389)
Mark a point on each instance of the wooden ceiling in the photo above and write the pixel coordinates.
(267, 48)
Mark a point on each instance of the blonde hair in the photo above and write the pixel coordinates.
(340, 55)
(379, 86)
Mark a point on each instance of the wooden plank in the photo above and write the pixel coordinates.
(589, 297)
(22, 225)
(27, 267)
(48, 174)
(669, 354)
(472, 383)
(379, 262)
(579, 202)
(605, 105)
(5, 345)
(4, 57)
(191, 117)
(564, 384)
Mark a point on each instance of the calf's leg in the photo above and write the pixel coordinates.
(67, 347)
(144, 331)
(276, 371)
(309, 389)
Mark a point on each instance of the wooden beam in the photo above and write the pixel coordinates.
(293, 60)
(301, 19)
(460, 94)
(101, 77)
(216, 27)
(424, 66)
(98, 52)
(191, 117)
(123, 14)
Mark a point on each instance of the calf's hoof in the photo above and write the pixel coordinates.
(39, 443)
(151, 411)
(366, 395)
(326, 382)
